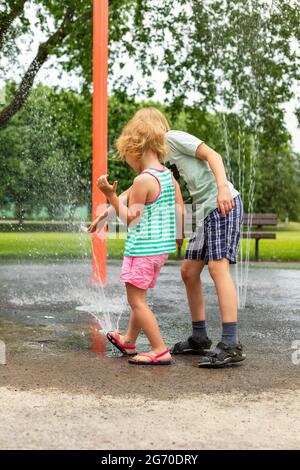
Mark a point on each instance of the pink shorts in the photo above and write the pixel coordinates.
(142, 271)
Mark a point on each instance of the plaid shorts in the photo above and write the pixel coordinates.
(217, 236)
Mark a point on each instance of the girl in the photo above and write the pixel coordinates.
(213, 243)
(151, 218)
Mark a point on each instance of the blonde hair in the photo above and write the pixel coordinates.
(144, 132)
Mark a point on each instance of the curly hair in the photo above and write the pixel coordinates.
(143, 133)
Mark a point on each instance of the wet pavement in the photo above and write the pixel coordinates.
(64, 388)
(52, 340)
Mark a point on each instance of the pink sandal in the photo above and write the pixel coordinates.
(154, 359)
(115, 340)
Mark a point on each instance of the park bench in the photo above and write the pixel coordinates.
(258, 221)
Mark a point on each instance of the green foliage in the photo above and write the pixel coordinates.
(234, 60)
(41, 245)
(231, 52)
(45, 154)
(278, 182)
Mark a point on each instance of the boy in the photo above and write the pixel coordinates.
(214, 242)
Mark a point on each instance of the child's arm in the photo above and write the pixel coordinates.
(100, 218)
(214, 159)
(107, 213)
(180, 213)
(138, 196)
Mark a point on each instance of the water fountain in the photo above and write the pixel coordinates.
(242, 267)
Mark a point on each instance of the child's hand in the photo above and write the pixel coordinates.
(93, 227)
(224, 199)
(106, 188)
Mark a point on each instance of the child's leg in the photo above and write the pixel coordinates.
(222, 236)
(144, 317)
(220, 273)
(198, 342)
(129, 338)
(134, 329)
(229, 350)
(190, 273)
(227, 297)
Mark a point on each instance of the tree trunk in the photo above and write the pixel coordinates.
(20, 214)
(28, 79)
(7, 20)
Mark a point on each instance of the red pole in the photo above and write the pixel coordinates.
(100, 59)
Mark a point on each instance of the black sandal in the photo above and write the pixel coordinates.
(196, 347)
(227, 354)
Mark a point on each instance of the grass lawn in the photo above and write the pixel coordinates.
(34, 245)
(39, 245)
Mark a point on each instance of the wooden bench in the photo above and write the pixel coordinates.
(258, 221)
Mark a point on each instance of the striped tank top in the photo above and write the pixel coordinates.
(155, 233)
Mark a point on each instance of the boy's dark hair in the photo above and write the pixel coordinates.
(175, 171)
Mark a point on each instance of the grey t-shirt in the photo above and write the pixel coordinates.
(197, 174)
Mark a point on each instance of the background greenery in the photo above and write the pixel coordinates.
(41, 245)
(45, 155)
(227, 70)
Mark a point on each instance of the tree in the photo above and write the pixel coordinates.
(45, 154)
(67, 17)
(230, 53)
